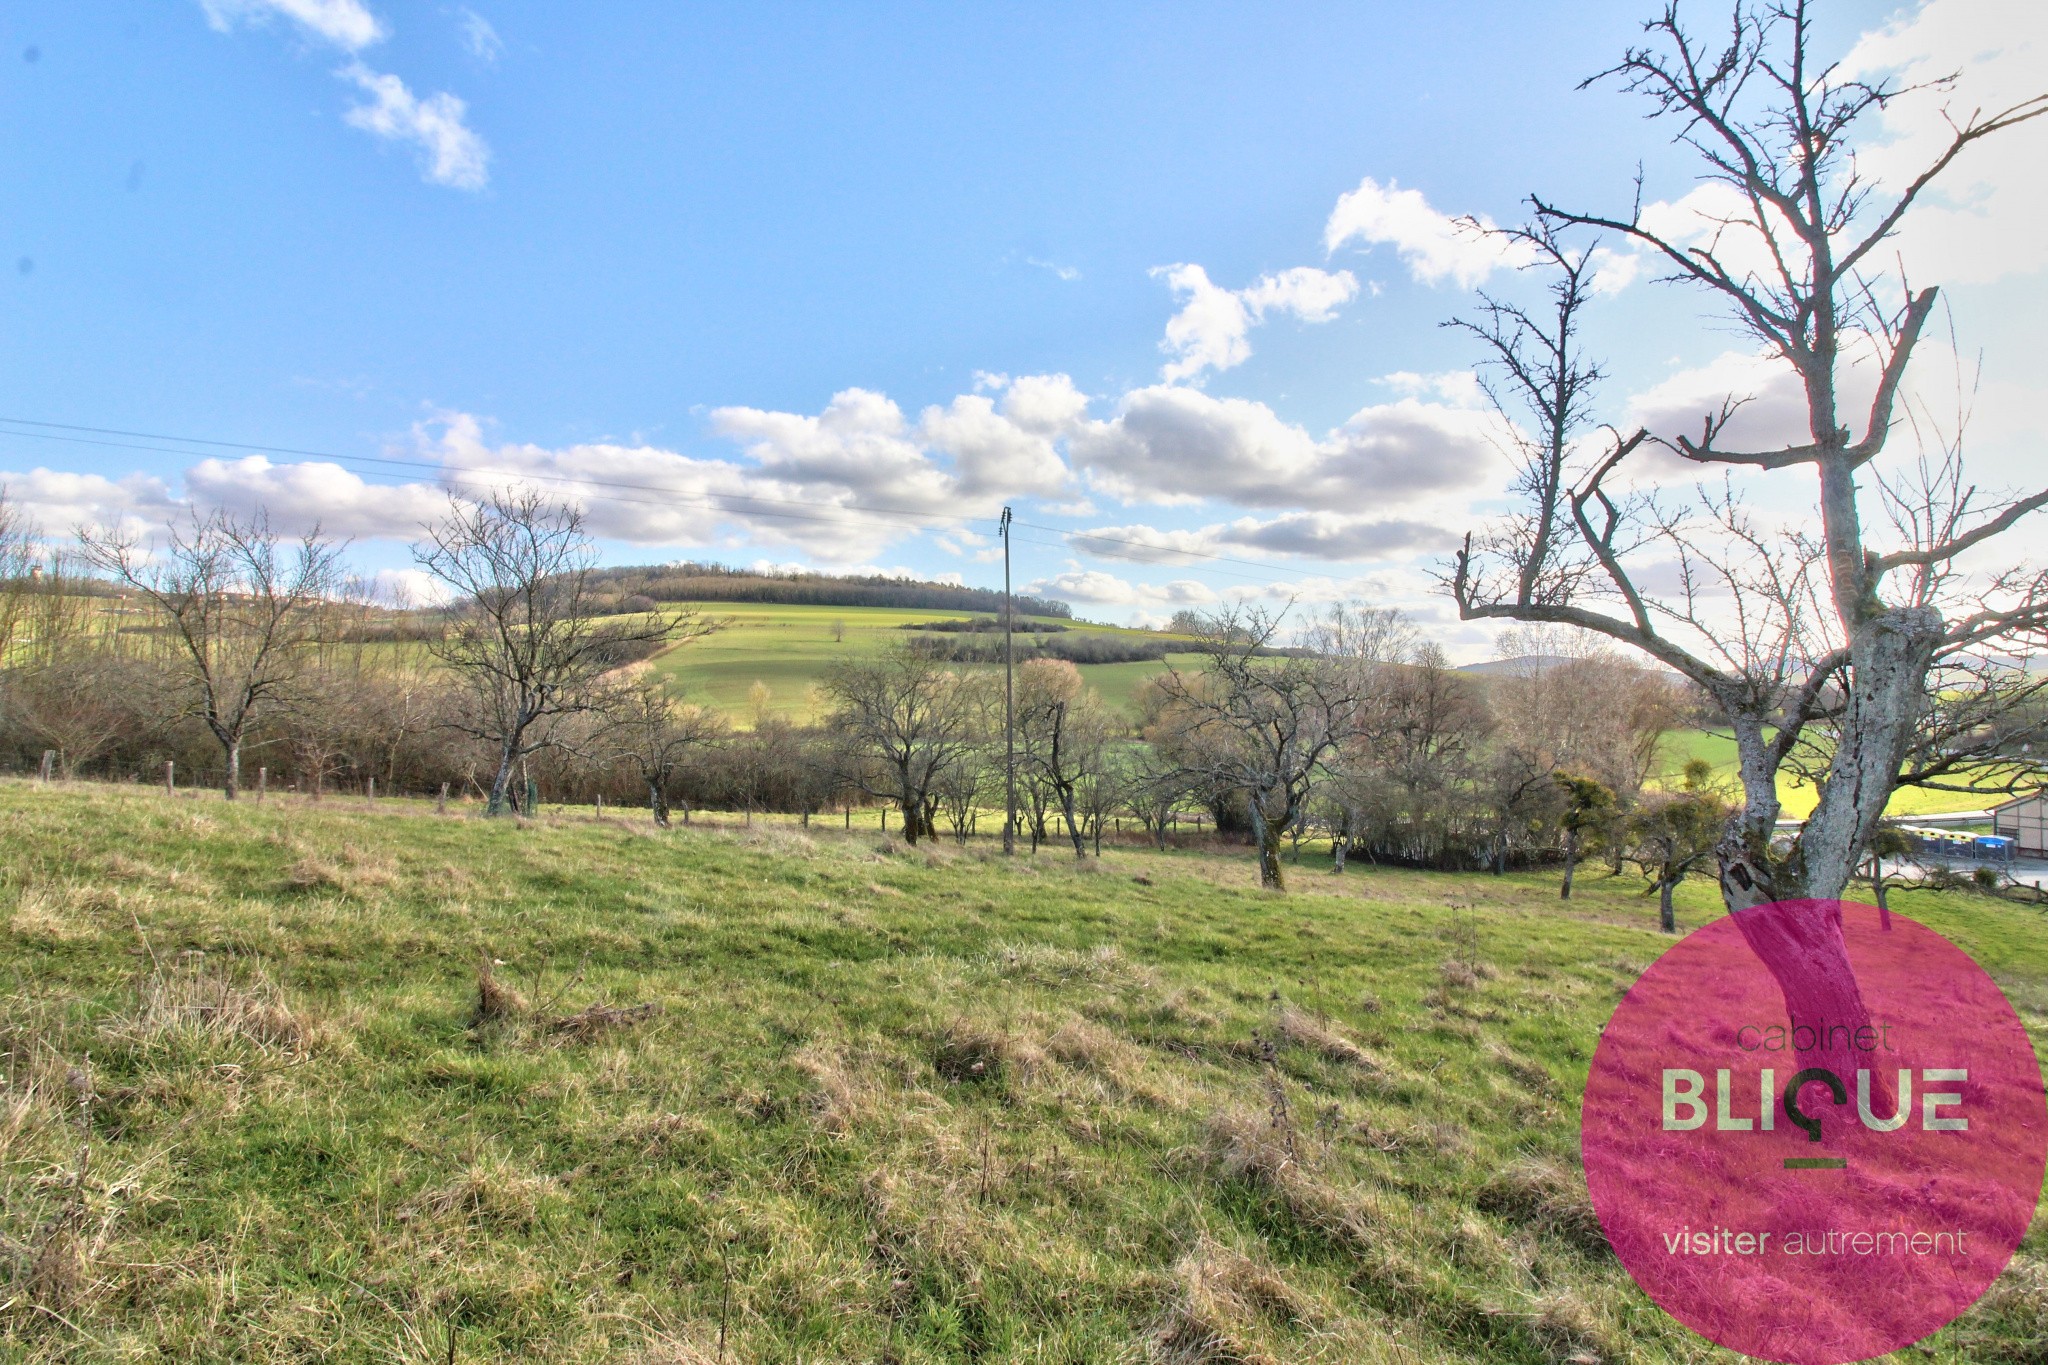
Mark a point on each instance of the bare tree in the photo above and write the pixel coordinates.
(904, 719)
(1063, 735)
(1782, 628)
(524, 630)
(240, 604)
(1262, 725)
(652, 730)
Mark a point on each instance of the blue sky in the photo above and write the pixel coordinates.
(921, 257)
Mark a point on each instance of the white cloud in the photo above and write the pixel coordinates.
(345, 24)
(1983, 221)
(59, 501)
(451, 153)
(1095, 586)
(480, 38)
(297, 497)
(1210, 330)
(1314, 535)
(1169, 444)
(409, 588)
(1435, 246)
(1065, 272)
(1459, 388)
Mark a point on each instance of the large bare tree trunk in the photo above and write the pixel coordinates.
(1267, 835)
(508, 759)
(231, 786)
(1073, 827)
(657, 801)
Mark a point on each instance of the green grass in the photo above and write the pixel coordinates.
(893, 1105)
(1796, 798)
(789, 648)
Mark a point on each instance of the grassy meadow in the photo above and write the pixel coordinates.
(298, 1082)
(788, 649)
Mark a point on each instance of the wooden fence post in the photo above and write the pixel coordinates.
(372, 788)
(441, 803)
(262, 783)
(600, 805)
(170, 778)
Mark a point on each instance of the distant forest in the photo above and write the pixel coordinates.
(690, 582)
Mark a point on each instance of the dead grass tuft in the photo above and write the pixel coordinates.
(56, 1276)
(355, 874)
(1222, 1300)
(491, 1192)
(496, 1002)
(197, 998)
(594, 1021)
(1547, 1199)
(48, 914)
(1304, 1030)
(841, 1097)
(1251, 1146)
(1573, 1332)
(971, 1052)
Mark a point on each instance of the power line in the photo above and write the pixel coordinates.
(721, 502)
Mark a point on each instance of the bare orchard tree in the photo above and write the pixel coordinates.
(524, 631)
(1266, 725)
(904, 718)
(652, 730)
(1782, 627)
(1064, 734)
(241, 607)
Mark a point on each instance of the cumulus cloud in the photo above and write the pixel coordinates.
(962, 458)
(450, 152)
(1434, 246)
(299, 497)
(1983, 220)
(1210, 332)
(345, 24)
(1106, 589)
(1168, 444)
(59, 501)
(1313, 535)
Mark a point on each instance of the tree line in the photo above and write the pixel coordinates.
(228, 648)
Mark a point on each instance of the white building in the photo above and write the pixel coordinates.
(2025, 820)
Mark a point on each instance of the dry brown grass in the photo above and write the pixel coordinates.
(195, 997)
(1221, 1303)
(492, 1192)
(970, 1052)
(1304, 1030)
(1547, 1199)
(496, 1002)
(1250, 1146)
(842, 1096)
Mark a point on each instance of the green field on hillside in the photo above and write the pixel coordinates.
(297, 1082)
(1718, 748)
(788, 648)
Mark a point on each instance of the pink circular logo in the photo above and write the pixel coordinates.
(1812, 1136)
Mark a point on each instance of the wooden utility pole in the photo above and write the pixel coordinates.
(1009, 698)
